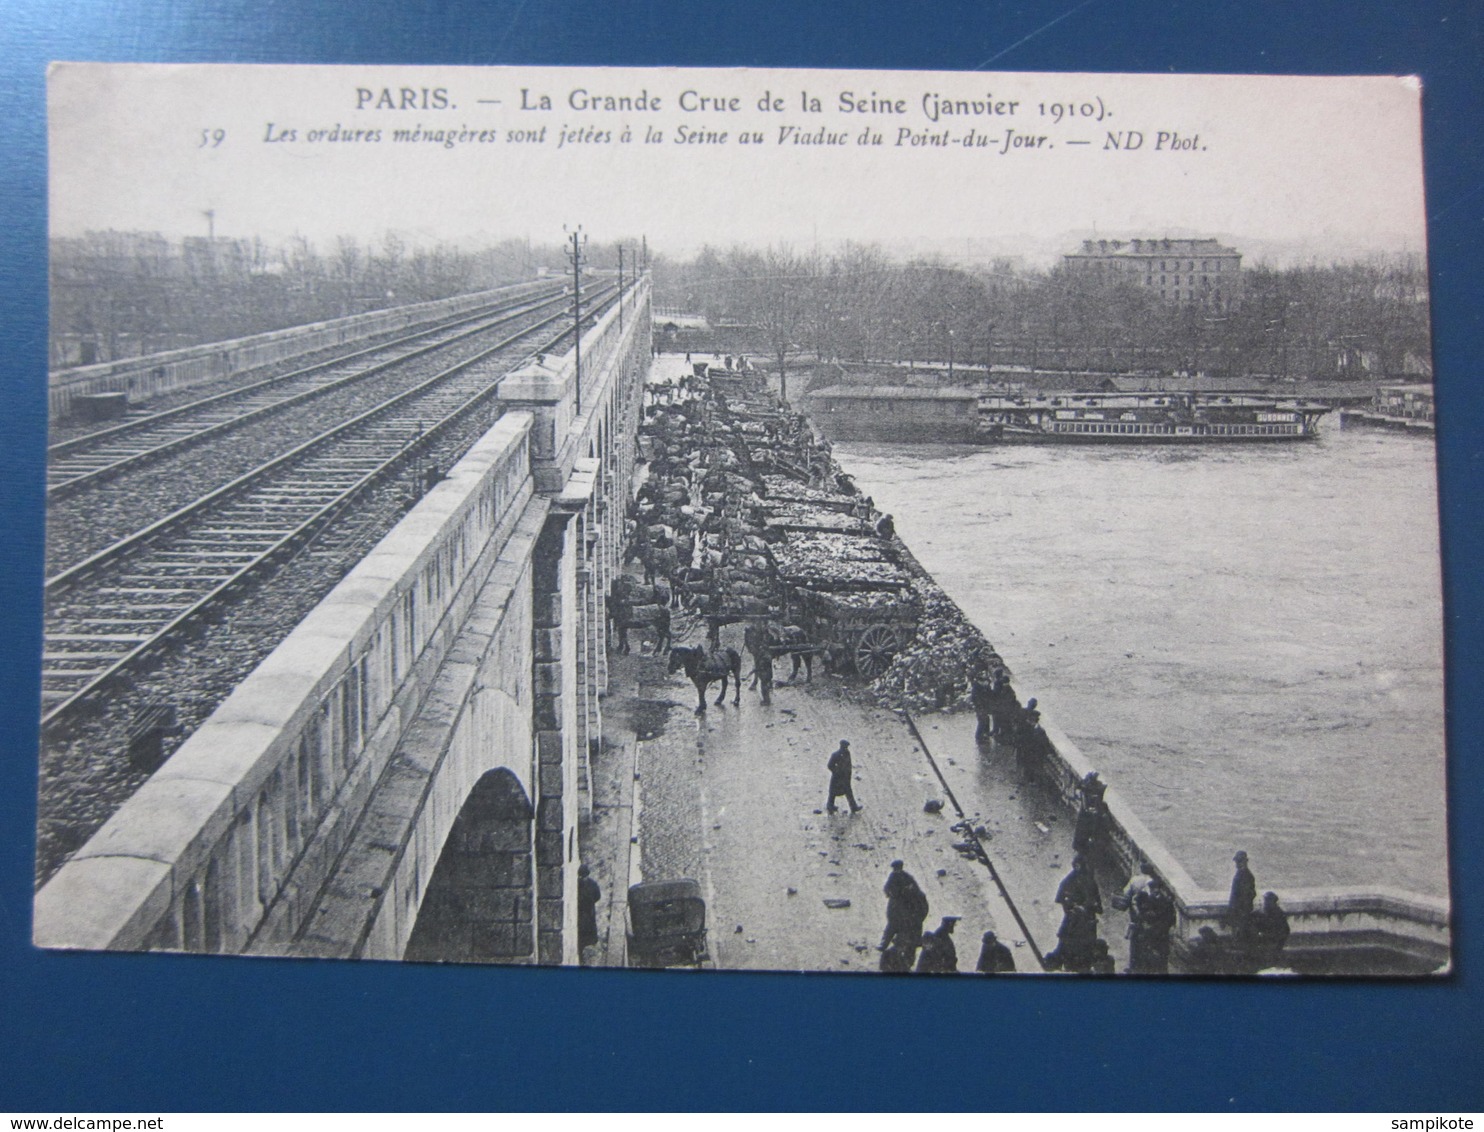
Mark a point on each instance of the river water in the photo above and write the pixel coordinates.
(1245, 640)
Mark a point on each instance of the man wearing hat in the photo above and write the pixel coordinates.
(1151, 919)
(1081, 905)
(840, 769)
(1270, 931)
(1243, 896)
(588, 895)
(939, 956)
(1092, 816)
(906, 909)
(994, 957)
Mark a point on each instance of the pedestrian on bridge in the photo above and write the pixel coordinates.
(1092, 815)
(662, 640)
(588, 895)
(1151, 918)
(1239, 903)
(994, 957)
(906, 910)
(1270, 932)
(1081, 905)
(939, 956)
(841, 770)
(762, 669)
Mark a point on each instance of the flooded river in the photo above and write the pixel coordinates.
(1246, 640)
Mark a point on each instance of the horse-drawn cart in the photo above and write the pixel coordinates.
(859, 631)
(850, 597)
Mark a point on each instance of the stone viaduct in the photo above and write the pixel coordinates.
(404, 775)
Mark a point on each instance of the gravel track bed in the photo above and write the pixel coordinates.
(96, 518)
(85, 770)
(72, 429)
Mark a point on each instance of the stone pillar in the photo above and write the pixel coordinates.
(555, 629)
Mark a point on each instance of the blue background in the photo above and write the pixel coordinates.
(139, 1032)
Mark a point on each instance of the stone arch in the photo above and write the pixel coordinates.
(480, 902)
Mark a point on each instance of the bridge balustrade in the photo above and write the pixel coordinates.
(1387, 919)
(347, 755)
(152, 375)
(196, 858)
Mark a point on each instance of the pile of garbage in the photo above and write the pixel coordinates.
(934, 670)
(746, 517)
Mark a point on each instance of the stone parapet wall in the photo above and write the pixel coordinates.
(241, 823)
(1337, 918)
(155, 374)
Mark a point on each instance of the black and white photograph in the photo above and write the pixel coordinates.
(857, 522)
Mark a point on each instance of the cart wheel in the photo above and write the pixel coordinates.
(875, 650)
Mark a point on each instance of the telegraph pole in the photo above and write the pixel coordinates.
(620, 288)
(574, 257)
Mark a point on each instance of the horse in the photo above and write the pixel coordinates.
(792, 642)
(701, 668)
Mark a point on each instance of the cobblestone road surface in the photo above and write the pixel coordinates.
(735, 799)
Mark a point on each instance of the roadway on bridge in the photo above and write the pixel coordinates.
(735, 799)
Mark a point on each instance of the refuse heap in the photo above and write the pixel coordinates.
(746, 518)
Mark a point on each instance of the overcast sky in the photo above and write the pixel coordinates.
(1321, 167)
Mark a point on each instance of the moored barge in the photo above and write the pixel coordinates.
(1404, 406)
(1142, 418)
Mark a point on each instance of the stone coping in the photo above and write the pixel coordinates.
(1430, 914)
(118, 884)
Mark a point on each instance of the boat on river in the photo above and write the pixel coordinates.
(1145, 418)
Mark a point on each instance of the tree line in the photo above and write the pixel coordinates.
(1366, 319)
(124, 294)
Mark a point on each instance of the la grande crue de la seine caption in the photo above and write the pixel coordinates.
(882, 116)
(846, 117)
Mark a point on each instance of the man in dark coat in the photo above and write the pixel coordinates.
(994, 957)
(1028, 738)
(906, 909)
(897, 959)
(662, 640)
(981, 695)
(588, 895)
(1151, 917)
(1102, 959)
(840, 769)
(1092, 815)
(1270, 931)
(762, 667)
(1081, 904)
(939, 956)
(1239, 904)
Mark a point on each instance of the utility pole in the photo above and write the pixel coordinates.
(620, 288)
(574, 257)
(645, 244)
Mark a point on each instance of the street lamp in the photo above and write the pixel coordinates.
(575, 257)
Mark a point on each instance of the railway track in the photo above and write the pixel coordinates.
(135, 598)
(85, 461)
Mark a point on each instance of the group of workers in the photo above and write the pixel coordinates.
(1255, 937)
(905, 943)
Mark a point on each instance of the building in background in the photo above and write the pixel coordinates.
(1198, 271)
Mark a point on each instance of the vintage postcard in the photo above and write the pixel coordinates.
(864, 522)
